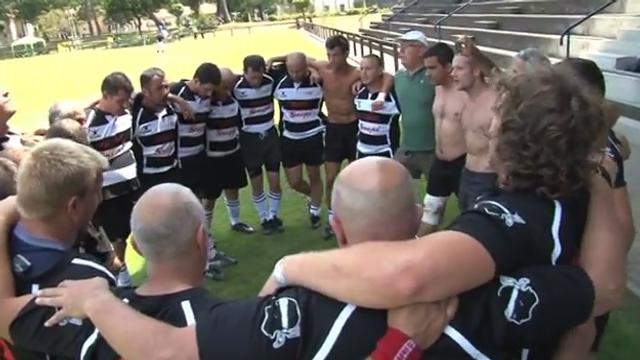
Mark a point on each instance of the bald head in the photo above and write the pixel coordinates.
(229, 79)
(297, 66)
(67, 109)
(373, 200)
(166, 223)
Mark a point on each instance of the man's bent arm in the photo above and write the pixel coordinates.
(392, 274)
(142, 337)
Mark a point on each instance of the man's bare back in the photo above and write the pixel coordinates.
(476, 121)
(338, 94)
(448, 106)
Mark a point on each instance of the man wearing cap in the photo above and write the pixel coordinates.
(415, 95)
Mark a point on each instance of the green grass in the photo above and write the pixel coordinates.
(35, 83)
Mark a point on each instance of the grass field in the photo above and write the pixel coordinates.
(35, 83)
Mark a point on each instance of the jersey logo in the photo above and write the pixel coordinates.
(145, 129)
(498, 210)
(281, 321)
(522, 301)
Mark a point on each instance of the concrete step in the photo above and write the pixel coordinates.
(523, 6)
(631, 48)
(629, 34)
(508, 40)
(611, 61)
(601, 25)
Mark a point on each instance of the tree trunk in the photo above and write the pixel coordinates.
(156, 20)
(195, 6)
(91, 30)
(223, 11)
(139, 24)
(98, 27)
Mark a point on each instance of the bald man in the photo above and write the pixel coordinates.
(168, 229)
(293, 324)
(301, 135)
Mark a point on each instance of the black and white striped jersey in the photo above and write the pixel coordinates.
(155, 139)
(191, 133)
(256, 104)
(376, 127)
(223, 126)
(300, 108)
(111, 136)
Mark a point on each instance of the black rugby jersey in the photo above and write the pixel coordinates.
(84, 341)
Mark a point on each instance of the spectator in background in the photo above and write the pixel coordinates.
(415, 95)
(67, 109)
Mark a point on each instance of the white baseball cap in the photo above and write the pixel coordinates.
(415, 35)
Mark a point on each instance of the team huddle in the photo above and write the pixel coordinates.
(528, 270)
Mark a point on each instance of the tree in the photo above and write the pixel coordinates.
(223, 11)
(301, 6)
(176, 9)
(194, 5)
(123, 11)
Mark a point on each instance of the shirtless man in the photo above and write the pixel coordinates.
(478, 176)
(341, 136)
(446, 169)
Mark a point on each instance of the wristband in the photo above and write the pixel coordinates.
(381, 96)
(278, 274)
(396, 345)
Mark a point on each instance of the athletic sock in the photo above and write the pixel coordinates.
(330, 215)
(315, 210)
(233, 208)
(208, 214)
(260, 202)
(274, 200)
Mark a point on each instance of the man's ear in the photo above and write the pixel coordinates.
(418, 216)
(135, 247)
(338, 229)
(202, 238)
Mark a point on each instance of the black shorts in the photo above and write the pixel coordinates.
(444, 176)
(387, 154)
(225, 172)
(260, 150)
(191, 173)
(148, 181)
(308, 151)
(114, 216)
(340, 142)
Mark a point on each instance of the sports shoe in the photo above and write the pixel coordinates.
(328, 233)
(267, 227)
(223, 260)
(243, 228)
(123, 280)
(315, 221)
(215, 273)
(277, 224)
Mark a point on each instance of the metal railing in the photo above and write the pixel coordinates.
(358, 44)
(438, 25)
(390, 18)
(567, 32)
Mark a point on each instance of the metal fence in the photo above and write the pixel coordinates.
(360, 45)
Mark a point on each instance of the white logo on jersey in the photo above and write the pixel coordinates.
(281, 321)
(498, 210)
(523, 299)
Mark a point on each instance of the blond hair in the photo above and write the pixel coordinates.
(52, 173)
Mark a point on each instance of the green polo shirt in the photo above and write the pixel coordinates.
(415, 95)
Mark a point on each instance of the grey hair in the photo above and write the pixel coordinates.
(165, 221)
(534, 58)
(63, 109)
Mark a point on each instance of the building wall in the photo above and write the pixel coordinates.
(322, 6)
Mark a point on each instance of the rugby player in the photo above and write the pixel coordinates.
(302, 140)
(378, 129)
(110, 133)
(450, 152)
(155, 133)
(259, 139)
(59, 185)
(297, 323)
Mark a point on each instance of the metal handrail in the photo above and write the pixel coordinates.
(567, 32)
(438, 25)
(402, 10)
